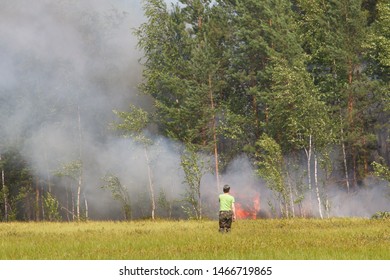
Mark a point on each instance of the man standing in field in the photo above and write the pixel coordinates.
(227, 211)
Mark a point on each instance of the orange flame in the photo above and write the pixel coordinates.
(248, 211)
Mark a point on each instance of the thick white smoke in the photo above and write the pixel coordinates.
(64, 66)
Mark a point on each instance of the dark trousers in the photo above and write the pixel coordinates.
(225, 220)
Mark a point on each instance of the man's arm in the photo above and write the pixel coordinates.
(234, 211)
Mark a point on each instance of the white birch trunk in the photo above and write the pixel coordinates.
(80, 180)
(78, 198)
(308, 156)
(345, 164)
(86, 207)
(73, 205)
(327, 208)
(151, 188)
(316, 185)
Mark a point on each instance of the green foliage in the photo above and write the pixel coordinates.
(184, 70)
(4, 198)
(295, 109)
(119, 193)
(71, 170)
(23, 206)
(334, 35)
(226, 73)
(51, 206)
(164, 203)
(381, 215)
(16, 189)
(381, 171)
(194, 168)
(271, 167)
(377, 43)
(133, 124)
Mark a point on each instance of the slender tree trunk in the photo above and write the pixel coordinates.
(86, 207)
(78, 198)
(355, 167)
(67, 205)
(73, 205)
(365, 157)
(256, 115)
(291, 195)
(37, 200)
(308, 156)
(151, 187)
(316, 185)
(48, 171)
(80, 179)
(199, 202)
(326, 203)
(287, 209)
(215, 144)
(351, 100)
(5, 200)
(345, 159)
(42, 204)
(346, 171)
(327, 207)
(351, 105)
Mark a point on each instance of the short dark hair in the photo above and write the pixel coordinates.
(226, 188)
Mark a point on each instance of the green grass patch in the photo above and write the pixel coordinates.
(294, 239)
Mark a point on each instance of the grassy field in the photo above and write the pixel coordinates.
(295, 239)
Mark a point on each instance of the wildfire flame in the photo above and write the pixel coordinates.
(248, 211)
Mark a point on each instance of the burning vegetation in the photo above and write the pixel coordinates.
(247, 207)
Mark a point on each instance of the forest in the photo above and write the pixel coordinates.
(130, 111)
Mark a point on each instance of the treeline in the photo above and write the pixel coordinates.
(291, 83)
(299, 86)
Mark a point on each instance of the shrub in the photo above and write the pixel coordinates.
(381, 215)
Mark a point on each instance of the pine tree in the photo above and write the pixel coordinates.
(333, 34)
(377, 46)
(133, 124)
(277, 94)
(184, 71)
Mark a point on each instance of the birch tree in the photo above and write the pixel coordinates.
(73, 171)
(271, 167)
(185, 66)
(119, 192)
(194, 168)
(134, 124)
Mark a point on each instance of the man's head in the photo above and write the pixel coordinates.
(226, 188)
